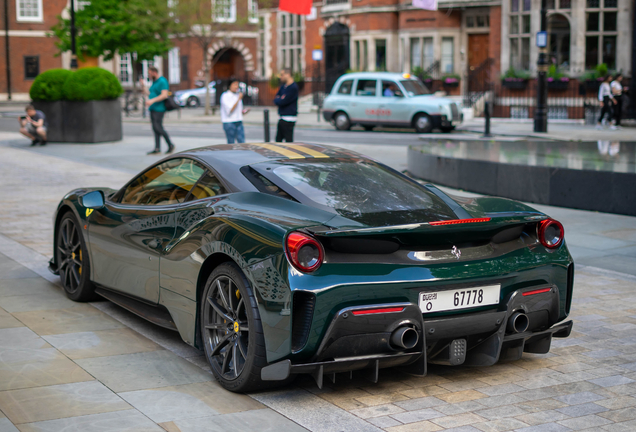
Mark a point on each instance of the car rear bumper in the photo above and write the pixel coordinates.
(364, 342)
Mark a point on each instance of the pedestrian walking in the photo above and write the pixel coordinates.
(606, 100)
(617, 91)
(158, 93)
(287, 101)
(232, 114)
(33, 125)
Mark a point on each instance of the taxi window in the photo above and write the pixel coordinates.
(164, 184)
(345, 87)
(391, 89)
(366, 87)
(207, 186)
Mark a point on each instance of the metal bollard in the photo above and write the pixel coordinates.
(266, 124)
(487, 117)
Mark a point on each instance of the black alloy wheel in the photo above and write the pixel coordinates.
(231, 330)
(193, 102)
(72, 260)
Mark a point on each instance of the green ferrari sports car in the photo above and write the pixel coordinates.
(286, 259)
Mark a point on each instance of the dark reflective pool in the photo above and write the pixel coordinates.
(615, 156)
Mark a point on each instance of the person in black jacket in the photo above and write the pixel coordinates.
(287, 102)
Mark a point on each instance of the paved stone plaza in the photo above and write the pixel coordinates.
(95, 367)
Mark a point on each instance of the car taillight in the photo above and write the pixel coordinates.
(304, 252)
(550, 233)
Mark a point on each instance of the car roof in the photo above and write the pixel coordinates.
(377, 75)
(228, 159)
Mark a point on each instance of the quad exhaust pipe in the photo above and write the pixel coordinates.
(404, 338)
(518, 323)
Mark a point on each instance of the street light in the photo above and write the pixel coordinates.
(541, 113)
(73, 50)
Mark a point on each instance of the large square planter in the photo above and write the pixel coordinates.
(92, 121)
(54, 118)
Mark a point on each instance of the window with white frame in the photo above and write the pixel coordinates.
(224, 10)
(125, 69)
(447, 62)
(520, 34)
(29, 10)
(421, 52)
(601, 32)
(252, 11)
(361, 55)
(290, 38)
(174, 66)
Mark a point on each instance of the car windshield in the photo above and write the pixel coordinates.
(362, 190)
(414, 88)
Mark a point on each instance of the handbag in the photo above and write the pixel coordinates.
(170, 103)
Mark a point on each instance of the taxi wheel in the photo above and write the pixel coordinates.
(422, 123)
(342, 121)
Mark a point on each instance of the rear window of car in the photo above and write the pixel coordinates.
(358, 189)
(345, 87)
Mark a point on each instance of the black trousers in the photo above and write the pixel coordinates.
(618, 110)
(156, 118)
(607, 109)
(285, 131)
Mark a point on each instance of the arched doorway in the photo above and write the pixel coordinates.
(336, 53)
(559, 41)
(228, 63)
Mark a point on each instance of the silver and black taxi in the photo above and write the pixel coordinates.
(388, 99)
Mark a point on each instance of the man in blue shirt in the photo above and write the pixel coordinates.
(287, 101)
(158, 93)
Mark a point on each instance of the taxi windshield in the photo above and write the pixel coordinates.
(414, 88)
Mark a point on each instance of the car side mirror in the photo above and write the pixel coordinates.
(92, 200)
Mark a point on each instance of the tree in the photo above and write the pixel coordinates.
(108, 27)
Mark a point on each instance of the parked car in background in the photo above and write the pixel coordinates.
(195, 98)
(388, 99)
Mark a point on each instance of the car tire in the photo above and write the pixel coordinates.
(231, 330)
(193, 102)
(368, 128)
(447, 129)
(342, 122)
(71, 256)
(423, 123)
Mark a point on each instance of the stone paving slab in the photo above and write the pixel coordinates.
(77, 367)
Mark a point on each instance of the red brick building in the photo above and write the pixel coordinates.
(392, 35)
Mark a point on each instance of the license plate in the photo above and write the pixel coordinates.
(462, 298)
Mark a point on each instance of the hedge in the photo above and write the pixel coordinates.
(92, 83)
(48, 85)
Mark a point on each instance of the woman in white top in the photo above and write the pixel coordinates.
(605, 98)
(232, 114)
(617, 92)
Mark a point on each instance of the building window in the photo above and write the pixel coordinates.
(184, 68)
(125, 69)
(29, 10)
(601, 33)
(478, 21)
(520, 34)
(416, 54)
(252, 11)
(291, 42)
(31, 67)
(174, 66)
(261, 47)
(361, 55)
(224, 11)
(380, 54)
(448, 55)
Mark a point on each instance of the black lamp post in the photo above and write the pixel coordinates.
(541, 112)
(73, 50)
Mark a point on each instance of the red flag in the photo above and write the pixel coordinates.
(298, 7)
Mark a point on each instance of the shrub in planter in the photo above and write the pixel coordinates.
(91, 84)
(451, 80)
(47, 87)
(557, 80)
(515, 79)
